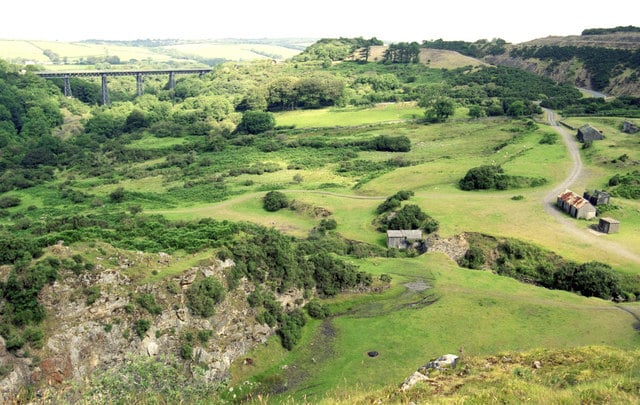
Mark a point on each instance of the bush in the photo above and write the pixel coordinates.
(255, 122)
(203, 295)
(148, 302)
(9, 201)
(317, 310)
(549, 138)
(141, 327)
(186, 351)
(274, 201)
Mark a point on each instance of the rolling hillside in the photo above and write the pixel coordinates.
(60, 55)
(607, 62)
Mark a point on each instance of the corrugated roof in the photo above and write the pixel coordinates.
(573, 199)
(405, 233)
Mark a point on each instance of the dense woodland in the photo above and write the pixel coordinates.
(226, 119)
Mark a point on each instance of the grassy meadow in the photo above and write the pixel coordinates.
(477, 311)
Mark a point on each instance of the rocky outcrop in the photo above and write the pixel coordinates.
(84, 337)
(447, 361)
(455, 247)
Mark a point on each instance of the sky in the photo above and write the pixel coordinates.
(391, 20)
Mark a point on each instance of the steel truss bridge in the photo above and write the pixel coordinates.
(139, 75)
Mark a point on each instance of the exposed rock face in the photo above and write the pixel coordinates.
(86, 337)
(455, 247)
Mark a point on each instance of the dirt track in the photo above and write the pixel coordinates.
(577, 173)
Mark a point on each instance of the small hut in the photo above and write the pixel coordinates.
(403, 239)
(589, 133)
(597, 197)
(608, 225)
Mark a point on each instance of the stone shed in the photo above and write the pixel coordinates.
(589, 133)
(403, 239)
(608, 225)
(597, 197)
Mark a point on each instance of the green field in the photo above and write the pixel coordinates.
(477, 311)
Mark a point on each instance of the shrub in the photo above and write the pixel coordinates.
(203, 295)
(186, 351)
(148, 302)
(317, 310)
(255, 122)
(550, 138)
(92, 294)
(117, 195)
(9, 201)
(274, 201)
(141, 327)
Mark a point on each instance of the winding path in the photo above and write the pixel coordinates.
(577, 173)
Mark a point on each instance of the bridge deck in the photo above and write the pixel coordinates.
(100, 73)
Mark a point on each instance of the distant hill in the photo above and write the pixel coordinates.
(169, 51)
(435, 58)
(606, 60)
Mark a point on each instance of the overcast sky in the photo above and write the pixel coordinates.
(391, 20)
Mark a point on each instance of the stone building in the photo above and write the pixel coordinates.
(574, 205)
(608, 225)
(597, 197)
(403, 239)
(589, 133)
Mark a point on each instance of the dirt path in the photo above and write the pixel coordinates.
(576, 174)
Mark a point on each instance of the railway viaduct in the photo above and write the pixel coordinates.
(139, 75)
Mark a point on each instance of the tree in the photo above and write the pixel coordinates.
(136, 120)
(275, 200)
(516, 108)
(35, 124)
(439, 110)
(255, 122)
(475, 111)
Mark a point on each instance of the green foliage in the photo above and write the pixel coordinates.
(409, 216)
(256, 122)
(118, 195)
(186, 351)
(490, 177)
(394, 201)
(203, 295)
(141, 327)
(274, 201)
(626, 185)
(532, 264)
(148, 302)
(473, 258)
(385, 143)
(334, 49)
(8, 201)
(599, 61)
(92, 293)
(438, 109)
(290, 330)
(477, 49)
(317, 310)
(549, 138)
